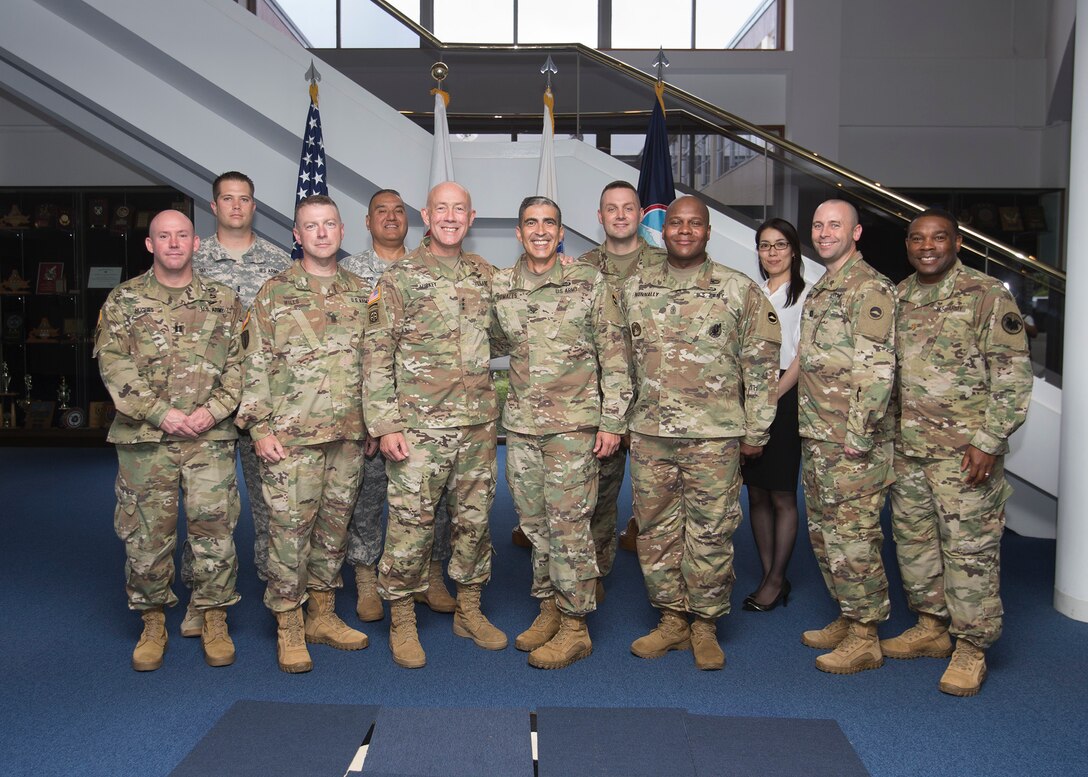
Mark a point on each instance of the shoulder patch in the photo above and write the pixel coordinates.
(1009, 332)
(766, 324)
(876, 315)
(375, 295)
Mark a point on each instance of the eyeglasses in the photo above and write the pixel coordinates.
(780, 245)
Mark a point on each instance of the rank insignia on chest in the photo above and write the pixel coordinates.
(636, 330)
(1012, 323)
(179, 329)
(715, 331)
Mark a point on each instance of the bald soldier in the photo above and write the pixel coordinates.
(168, 349)
(387, 222)
(302, 404)
(430, 399)
(705, 344)
(567, 407)
(847, 357)
(964, 387)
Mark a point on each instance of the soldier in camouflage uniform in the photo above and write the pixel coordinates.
(622, 254)
(569, 393)
(964, 386)
(387, 223)
(168, 348)
(236, 257)
(847, 356)
(705, 349)
(302, 403)
(430, 397)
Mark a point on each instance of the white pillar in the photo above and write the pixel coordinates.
(1071, 578)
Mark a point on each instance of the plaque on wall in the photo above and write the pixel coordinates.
(97, 212)
(1035, 218)
(64, 218)
(13, 327)
(46, 216)
(15, 283)
(122, 218)
(51, 278)
(39, 414)
(1010, 218)
(14, 218)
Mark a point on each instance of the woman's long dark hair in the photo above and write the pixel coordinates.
(797, 275)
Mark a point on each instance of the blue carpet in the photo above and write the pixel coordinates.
(644, 742)
(770, 747)
(74, 706)
(450, 743)
(269, 739)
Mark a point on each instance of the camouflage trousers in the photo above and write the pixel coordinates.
(365, 531)
(948, 542)
(606, 514)
(461, 460)
(687, 506)
(553, 481)
(251, 473)
(146, 519)
(843, 498)
(309, 497)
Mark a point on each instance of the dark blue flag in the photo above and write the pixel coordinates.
(311, 167)
(655, 186)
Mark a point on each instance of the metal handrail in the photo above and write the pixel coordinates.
(874, 188)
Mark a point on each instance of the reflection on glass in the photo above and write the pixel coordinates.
(474, 21)
(557, 21)
(718, 25)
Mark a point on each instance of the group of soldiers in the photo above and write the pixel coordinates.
(369, 379)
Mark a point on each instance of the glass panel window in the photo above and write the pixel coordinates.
(738, 24)
(648, 24)
(364, 25)
(316, 19)
(474, 21)
(557, 21)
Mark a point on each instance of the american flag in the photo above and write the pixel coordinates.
(311, 167)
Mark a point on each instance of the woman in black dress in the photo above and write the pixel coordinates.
(772, 478)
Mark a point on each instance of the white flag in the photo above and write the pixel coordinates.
(546, 182)
(441, 156)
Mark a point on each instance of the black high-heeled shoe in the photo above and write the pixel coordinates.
(783, 598)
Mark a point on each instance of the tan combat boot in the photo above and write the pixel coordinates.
(543, 628)
(369, 605)
(218, 646)
(704, 644)
(471, 623)
(436, 596)
(291, 649)
(928, 638)
(672, 633)
(403, 638)
(193, 621)
(858, 651)
(965, 671)
(829, 637)
(324, 627)
(147, 657)
(571, 643)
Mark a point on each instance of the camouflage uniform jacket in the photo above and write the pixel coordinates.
(426, 355)
(705, 355)
(260, 262)
(648, 255)
(560, 337)
(847, 353)
(302, 378)
(367, 265)
(964, 371)
(156, 355)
